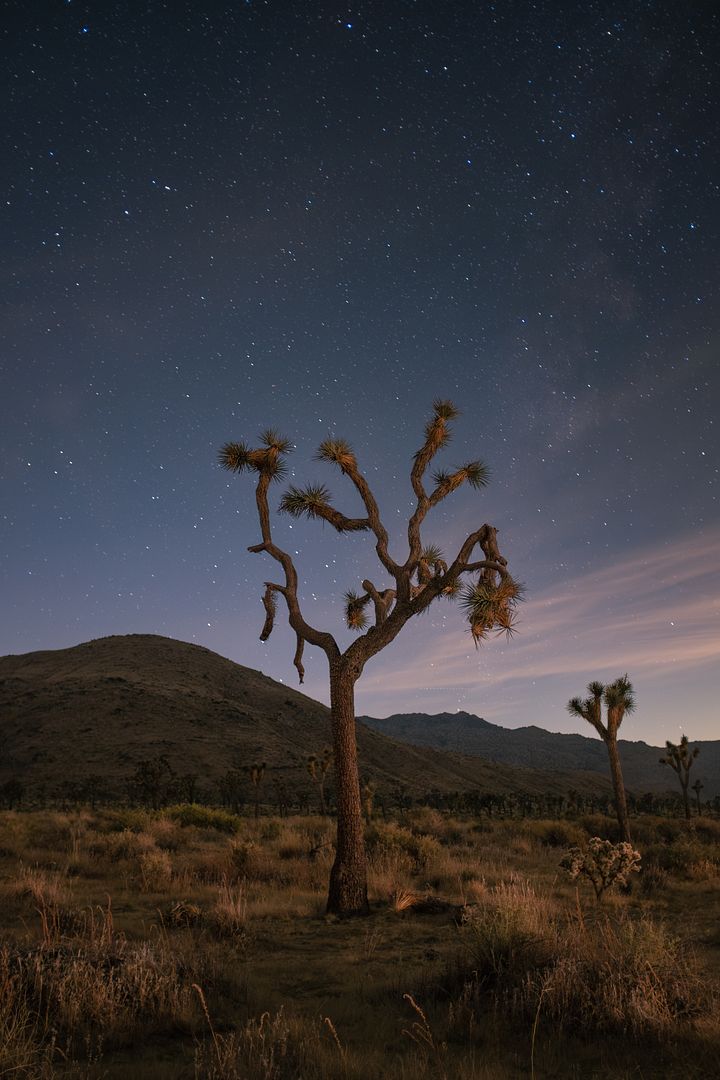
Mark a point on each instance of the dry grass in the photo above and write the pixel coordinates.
(96, 987)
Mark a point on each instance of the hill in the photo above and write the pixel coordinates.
(465, 733)
(102, 707)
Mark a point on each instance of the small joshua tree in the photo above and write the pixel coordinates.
(619, 698)
(256, 772)
(483, 585)
(697, 788)
(602, 863)
(680, 758)
(368, 792)
(318, 769)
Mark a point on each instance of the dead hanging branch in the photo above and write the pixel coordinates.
(270, 608)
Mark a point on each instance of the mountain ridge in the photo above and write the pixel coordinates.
(642, 771)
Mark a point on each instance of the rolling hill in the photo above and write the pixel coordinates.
(100, 708)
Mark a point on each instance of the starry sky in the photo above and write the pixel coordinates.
(220, 217)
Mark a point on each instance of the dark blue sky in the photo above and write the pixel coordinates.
(221, 217)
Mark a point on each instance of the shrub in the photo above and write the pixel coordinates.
(155, 870)
(92, 996)
(229, 911)
(556, 833)
(397, 847)
(627, 977)
(602, 863)
(509, 934)
(203, 817)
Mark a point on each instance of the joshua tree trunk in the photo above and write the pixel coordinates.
(686, 797)
(348, 877)
(619, 789)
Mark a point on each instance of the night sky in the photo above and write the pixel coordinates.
(223, 217)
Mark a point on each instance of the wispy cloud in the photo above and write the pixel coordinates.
(657, 611)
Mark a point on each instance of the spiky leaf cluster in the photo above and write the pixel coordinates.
(473, 473)
(355, 615)
(431, 554)
(237, 456)
(491, 606)
(430, 564)
(305, 502)
(620, 695)
(272, 440)
(476, 474)
(445, 410)
(234, 456)
(337, 451)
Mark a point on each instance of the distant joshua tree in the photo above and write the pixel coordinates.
(489, 599)
(619, 698)
(317, 767)
(697, 788)
(256, 772)
(680, 758)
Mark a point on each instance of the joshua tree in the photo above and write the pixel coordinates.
(489, 598)
(256, 772)
(697, 788)
(317, 768)
(367, 793)
(680, 758)
(619, 698)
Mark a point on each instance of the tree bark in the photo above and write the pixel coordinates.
(619, 788)
(347, 894)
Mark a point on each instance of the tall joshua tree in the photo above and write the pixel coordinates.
(483, 586)
(619, 698)
(680, 757)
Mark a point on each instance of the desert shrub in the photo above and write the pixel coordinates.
(703, 869)
(707, 830)
(43, 888)
(556, 833)
(88, 996)
(240, 856)
(273, 1047)
(182, 914)
(653, 879)
(24, 1050)
(228, 912)
(394, 845)
(271, 830)
(599, 825)
(155, 870)
(674, 859)
(630, 977)
(669, 831)
(592, 978)
(509, 934)
(428, 820)
(602, 863)
(293, 848)
(165, 833)
(130, 819)
(203, 817)
(120, 847)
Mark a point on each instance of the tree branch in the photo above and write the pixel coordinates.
(303, 629)
(381, 600)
